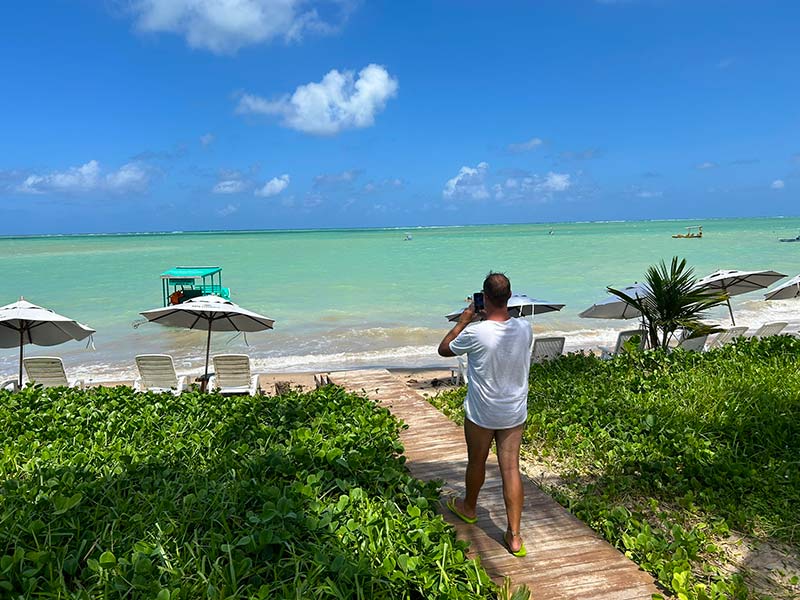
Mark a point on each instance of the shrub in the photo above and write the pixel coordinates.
(662, 452)
(110, 494)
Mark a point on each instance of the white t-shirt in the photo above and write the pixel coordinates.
(499, 354)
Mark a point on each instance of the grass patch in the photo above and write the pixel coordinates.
(665, 454)
(110, 494)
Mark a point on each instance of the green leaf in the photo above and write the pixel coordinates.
(108, 560)
(63, 504)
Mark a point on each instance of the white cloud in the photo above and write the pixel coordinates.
(556, 182)
(207, 139)
(228, 186)
(531, 144)
(479, 183)
(224, 26)
(470, 183)
(130, 177)
(532, 187)
(648, 194)
(227, 210)
(778, 184)
(338, 102)
(377, 186)
(274, 186)
(328, 179)
(706, 165)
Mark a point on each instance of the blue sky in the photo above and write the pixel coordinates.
(142, 115)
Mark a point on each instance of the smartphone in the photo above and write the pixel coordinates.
(477, 299)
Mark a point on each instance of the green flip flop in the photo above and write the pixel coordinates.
(451, 504)
(519, 553)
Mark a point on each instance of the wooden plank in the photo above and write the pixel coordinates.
(566, 559)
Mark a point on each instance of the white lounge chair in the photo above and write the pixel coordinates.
(48, 371)
(547, 348)
(768, 329)
(157, 374)
(232, 375)
(623, 337)
(727, 336)
(9, 385)
(458, 374)
(695, 344)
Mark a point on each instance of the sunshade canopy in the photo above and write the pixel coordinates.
(520, 305)
(734, 282)
(25, 323)
(614, 307)
(190, 272)
(210, 313)
(785, 291)
(37, 325)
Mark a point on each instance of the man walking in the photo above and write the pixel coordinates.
(498, 349)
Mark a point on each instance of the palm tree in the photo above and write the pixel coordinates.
(672, 302)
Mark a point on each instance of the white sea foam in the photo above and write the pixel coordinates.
(386, 347)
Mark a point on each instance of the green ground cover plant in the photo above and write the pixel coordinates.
(110, 494)
(664, 453)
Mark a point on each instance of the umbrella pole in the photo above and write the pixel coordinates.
(21, 346)
(208, 350)
(730, 310)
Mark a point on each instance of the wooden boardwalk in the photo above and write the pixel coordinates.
(566, 559)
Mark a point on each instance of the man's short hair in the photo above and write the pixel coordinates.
(497, 288)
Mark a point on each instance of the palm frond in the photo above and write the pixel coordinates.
(671, 301)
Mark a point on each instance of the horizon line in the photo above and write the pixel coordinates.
(374, 228)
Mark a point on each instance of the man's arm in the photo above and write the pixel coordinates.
(464, 320)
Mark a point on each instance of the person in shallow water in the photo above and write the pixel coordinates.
(498, 349)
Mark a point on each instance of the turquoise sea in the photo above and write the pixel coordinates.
(365, 297)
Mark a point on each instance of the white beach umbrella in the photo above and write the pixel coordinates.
(734, 283)
(209, 313)
(520, 305)
(785, 291)
(25, 323)
(614, 307)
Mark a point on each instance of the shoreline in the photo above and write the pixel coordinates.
(104, 368)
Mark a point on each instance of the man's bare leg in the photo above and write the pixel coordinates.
(508, 444)
(479, 442)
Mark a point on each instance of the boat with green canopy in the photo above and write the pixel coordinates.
(182, 283)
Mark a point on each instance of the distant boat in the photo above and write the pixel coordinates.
(794, 239)
(691, 233)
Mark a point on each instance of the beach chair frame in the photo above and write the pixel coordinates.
(232, 375)
(547, 348)
(727, 336)
(458, 374)
(48, 372)
(694, 344)
(622, 338)
(157, 374)
(770, 329)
